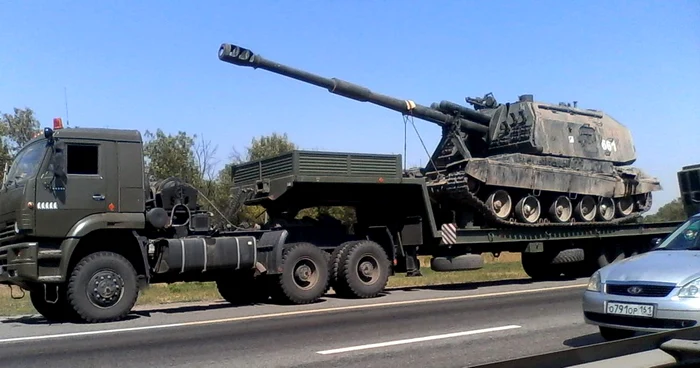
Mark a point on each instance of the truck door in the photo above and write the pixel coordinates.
(90, 188)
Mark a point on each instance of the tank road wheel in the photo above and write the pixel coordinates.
(606, 209)
(304, 276)
(624, 206)
(528, 209)
(500, 203)
(102, 287)
(585, 209)
(363, 271)
(561, 209)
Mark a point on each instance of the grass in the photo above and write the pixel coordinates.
(507, 266)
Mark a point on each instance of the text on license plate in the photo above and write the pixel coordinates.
(626, 309)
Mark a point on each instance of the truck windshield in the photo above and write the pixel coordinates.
(685, 237)
(26, 163)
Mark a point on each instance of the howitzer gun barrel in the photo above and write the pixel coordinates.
(243, 57)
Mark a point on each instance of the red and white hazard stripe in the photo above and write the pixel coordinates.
(449, 233)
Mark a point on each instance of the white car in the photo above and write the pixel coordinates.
(655, 291)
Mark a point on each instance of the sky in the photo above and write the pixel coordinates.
(153, 65)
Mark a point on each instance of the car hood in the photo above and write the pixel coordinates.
(672, 266)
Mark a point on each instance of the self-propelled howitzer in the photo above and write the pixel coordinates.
(514, 164)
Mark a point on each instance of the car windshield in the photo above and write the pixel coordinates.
(26, 163)
(685, 237)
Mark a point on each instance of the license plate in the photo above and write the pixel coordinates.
(627, 309)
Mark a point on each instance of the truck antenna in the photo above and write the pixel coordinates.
(65, 100)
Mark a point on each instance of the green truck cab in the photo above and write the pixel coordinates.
(84, 231)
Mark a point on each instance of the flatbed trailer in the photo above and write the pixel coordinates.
(406, 221)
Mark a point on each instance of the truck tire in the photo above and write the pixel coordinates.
(363, 270)
(60, 311)
(465, 262)
(304, 277)
(334, 264)
(103, 287)
(550, 265)
(568, 256)
(242, 288)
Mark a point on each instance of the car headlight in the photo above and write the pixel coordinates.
(690, 290)
(594, 282)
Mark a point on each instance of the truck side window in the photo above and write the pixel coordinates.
(82, 159)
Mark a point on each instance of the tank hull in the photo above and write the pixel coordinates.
(543, 182)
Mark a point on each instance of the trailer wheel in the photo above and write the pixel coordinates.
(60, 311)
(305, 274)
(363, 271)
(103, 287)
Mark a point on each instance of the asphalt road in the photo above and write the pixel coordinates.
(453, 327)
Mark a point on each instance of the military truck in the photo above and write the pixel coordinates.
(84, 230)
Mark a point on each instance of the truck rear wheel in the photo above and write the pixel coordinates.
(103, 287)
(334, 264)
(304, 277)
(363, 270)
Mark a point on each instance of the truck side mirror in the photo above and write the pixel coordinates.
(58, 161)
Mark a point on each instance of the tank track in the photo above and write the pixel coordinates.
(456, 188)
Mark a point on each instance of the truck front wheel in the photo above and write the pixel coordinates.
(103, 287)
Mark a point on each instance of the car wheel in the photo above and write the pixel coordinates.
(611, 334)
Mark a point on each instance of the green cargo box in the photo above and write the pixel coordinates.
(322, 178)
(312, 163)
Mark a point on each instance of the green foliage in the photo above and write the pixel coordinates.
(268, 146)
(168, 155)
(672, 211)
(16, 130)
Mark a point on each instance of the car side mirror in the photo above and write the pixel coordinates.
(655, 242)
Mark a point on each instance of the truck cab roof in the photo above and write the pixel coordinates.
(123, 135)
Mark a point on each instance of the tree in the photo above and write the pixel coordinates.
(268, 146)
(168, 155)
(16, 130)
(672, 211)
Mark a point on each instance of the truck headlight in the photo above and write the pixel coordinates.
(690, 290)
(594, 282)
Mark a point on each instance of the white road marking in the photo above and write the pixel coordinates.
(285, 314)
(417, 339)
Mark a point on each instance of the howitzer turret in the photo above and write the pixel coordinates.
(571, 161)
